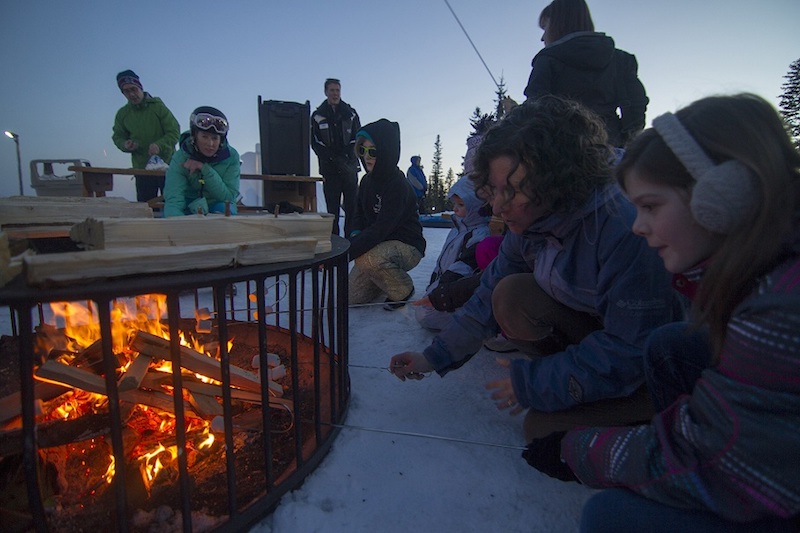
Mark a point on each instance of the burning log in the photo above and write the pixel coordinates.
(135, 373)
(81, 379)
(207, 406)
(60, 432)
(72, 376)
(11, 405)
(158, 348)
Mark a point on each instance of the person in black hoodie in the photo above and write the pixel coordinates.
(386, 237)
(583, 65)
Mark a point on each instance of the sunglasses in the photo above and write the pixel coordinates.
(370, 152)
(205, 121)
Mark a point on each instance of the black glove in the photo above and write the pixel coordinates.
(450, 296)
(545, 456)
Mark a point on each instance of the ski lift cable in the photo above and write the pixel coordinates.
(473, 44)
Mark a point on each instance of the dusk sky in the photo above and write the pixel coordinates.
(407, 61)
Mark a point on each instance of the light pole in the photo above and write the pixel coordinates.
(12, 135)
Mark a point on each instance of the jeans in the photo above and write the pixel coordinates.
(622, 511)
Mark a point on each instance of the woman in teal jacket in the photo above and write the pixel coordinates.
(204, 174)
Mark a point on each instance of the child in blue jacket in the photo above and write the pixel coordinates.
(453, 279)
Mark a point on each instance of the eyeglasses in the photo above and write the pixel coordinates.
(205, 121)
(507, 194)
(370, 152)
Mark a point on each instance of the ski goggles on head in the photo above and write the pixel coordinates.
(206, 121)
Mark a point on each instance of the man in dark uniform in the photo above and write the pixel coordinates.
(334, 125)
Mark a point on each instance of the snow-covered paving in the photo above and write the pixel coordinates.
(459, 469)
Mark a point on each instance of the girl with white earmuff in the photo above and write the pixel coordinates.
(717, 191)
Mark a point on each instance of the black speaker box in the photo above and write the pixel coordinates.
(285, 131)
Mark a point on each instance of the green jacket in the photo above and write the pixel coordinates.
(220, 183)
(145, 123)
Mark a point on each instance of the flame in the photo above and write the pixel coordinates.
(151, 463)
(109, 475)
(209, 440)
(142, 313)
(127, 316)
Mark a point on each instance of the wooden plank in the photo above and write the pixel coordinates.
(114, 170)
(71, 267)
(51, 210)
(72, 376)
(132, 377)
(103, 233)
(206, 406)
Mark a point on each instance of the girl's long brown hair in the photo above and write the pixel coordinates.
(746, 128)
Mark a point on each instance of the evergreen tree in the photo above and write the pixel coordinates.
(448, 182)
(790, 101)
(479, 122)
(500, 95)
(434, 199)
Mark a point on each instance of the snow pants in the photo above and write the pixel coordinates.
(383, 270)
(541, 326)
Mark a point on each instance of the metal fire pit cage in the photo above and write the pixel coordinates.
(311, 320)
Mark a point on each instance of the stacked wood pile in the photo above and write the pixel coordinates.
(122, 238)
(10, 266)
(66, 210)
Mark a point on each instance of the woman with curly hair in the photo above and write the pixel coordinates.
(571, 286)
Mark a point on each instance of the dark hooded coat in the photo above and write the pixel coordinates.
(586, 67)
(386, 208)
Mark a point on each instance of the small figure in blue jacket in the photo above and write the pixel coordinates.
(456, 275)
(572, 285)
(416, 177)
(203, 176)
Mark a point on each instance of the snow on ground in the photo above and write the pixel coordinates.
(448, 475)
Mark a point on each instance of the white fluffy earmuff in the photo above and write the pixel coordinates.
(724, 194)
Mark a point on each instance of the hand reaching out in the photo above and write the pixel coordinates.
(503, 392)
(424, 301)
(409, 365)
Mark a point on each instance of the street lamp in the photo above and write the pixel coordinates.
(12, 135)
